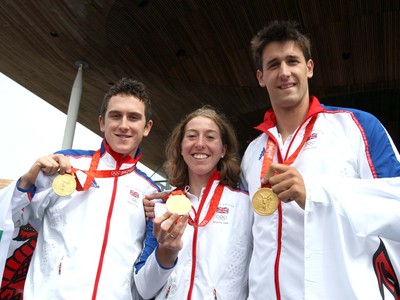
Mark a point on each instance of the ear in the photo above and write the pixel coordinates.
(310, 68)
(147, 128)
(260, 78)
(223, 150)
(101, 123)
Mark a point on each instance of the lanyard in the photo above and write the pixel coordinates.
(216, 197)
(271, 147)
(93, 173)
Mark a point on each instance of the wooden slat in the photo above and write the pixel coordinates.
(119, 38)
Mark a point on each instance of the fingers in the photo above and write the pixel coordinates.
(169, 228)
(64, 165)
(287, 183)
(178, 226)
(149, 201)
(148, 206)
(53, 163)
(272, 171)
(268, 175)
(49, 165)
(153, 196)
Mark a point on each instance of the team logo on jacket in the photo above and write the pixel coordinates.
(221, 215)
(222, 210)
(313, 136)
(94, 184)
(134, 198)
(385, 273)
(311, 139)
(134, 194)
(261, 154)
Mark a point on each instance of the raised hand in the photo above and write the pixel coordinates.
(286, 182)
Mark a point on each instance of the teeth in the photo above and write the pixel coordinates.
(286, 86)
(200, 156)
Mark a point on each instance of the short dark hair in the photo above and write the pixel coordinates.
(128, 86)
(279, 31)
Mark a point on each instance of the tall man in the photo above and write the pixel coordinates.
(325, 227)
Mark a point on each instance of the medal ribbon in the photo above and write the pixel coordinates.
(93, 173)
(216, 197)
(271, 147)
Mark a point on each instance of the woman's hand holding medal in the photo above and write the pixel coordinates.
(168, 230)
(169, 227)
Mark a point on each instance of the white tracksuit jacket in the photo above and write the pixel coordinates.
(88, 241)
(346, 243)
(223, 253)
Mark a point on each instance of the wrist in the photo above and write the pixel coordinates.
(25, 187)
(25, 182)
(165, 257)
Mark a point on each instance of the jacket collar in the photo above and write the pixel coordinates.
(119, 158)
(270, 118)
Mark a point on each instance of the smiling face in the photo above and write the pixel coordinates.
(202, 147)
(124, 124)
(285, 74)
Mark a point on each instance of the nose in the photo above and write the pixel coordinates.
(123, 123)
(284, 70)
(200, 142)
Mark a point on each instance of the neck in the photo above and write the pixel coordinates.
(289, 119)
(197, 183)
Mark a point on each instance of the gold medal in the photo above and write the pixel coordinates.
(64, 185)
(179, 204)
(265, 202)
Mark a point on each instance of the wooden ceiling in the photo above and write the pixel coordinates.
(195, 52)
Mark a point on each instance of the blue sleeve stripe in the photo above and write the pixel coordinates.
(144, 175)
(382, 154)
(76, 152)
(150, 244)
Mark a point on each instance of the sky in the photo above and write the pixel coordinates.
(31, 128)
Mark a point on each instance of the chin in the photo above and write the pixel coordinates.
(123, 151)
(203, 172)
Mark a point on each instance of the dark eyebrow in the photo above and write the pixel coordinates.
(114, 112)
(270, 62)
(287, 57)
(293, 57)
(133, 113)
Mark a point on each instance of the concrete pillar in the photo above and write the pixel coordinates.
(73, 107)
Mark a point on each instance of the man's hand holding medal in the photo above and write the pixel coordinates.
(286, 184)
(64, 184)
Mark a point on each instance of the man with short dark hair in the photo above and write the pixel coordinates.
(325, 227)
(87, 207)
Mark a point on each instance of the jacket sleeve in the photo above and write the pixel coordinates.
(352, 228)
(149, 275)
(19, 207)
(12, 202)
(381, 153)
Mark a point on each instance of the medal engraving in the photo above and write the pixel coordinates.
(179, 204)
(64, 185)
(265, 202)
